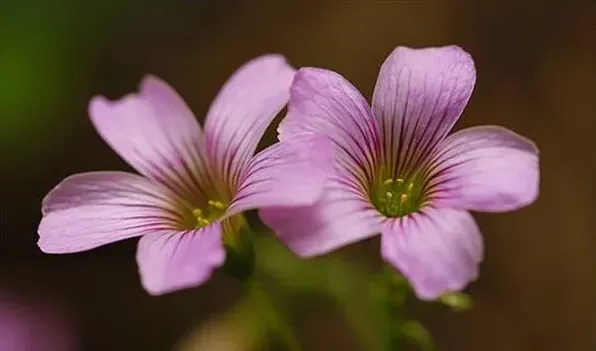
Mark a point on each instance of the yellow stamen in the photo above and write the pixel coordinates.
(217, 204)
(403, 199)
(201, 220)
(398, 197)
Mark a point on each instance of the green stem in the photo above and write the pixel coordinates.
(335, 277)
(263, 291)
(240, 250)
(398, 332)
(271, 306)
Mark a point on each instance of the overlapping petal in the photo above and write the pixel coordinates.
(486, 168)
(241, 112)
(287, 174)
(437, 249)
(323, 102)
(92, 209)
(157, 134)
(342, 216)
(174, 260)
(419, 95)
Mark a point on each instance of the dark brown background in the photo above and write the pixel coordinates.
(536, 63)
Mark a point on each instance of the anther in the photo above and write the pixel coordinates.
(403, 198)
(216, 204)
(197, 212)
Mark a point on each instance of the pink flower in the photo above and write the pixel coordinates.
(193, 184)
(398, 173)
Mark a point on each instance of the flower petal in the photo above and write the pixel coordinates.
(243, 109)
(285, 174)
(170, 261)
(323, 102)
(487, 168)
(92, 209)
(419, 95)
(341, 217)
(437, 249)
(157, 134)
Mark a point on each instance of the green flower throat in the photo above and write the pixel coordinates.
(398, 197)
(202, 217)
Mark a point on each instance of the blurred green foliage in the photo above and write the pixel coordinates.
(374, 304)
(36, 74)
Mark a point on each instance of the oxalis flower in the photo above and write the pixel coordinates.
(397, 171)
(193, 184)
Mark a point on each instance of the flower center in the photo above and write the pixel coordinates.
(202, 217)
(398, 197)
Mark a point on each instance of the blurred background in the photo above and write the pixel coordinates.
(536, 75)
